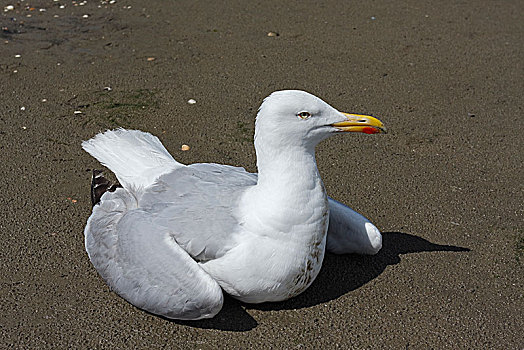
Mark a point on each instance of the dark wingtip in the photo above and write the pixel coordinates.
(100, 185)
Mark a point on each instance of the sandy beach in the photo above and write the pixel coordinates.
(444, 185)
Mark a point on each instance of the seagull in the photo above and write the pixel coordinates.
(171, 238)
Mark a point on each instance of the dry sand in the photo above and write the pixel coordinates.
(445, 185)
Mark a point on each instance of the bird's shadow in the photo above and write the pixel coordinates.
(340, 274)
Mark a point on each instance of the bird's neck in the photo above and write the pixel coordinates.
(289, 197)
(289, 190)
(287, 169)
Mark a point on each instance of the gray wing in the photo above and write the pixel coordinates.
(196, 205)
(350, 232)
(143, 264)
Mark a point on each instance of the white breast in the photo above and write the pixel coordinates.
(280, 248)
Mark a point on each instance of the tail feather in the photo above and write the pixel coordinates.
(137, 158)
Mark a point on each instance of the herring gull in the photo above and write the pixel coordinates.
(173, 237)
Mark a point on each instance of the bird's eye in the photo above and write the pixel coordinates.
(304, 115)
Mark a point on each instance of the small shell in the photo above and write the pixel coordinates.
(185, 148)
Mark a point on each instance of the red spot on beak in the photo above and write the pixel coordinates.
(370, 130)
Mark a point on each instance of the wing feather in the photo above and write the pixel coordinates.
(142, 263)
(197, 204)
(350, 232)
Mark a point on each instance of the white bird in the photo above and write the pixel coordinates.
(174, 236)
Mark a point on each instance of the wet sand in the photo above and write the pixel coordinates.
(445, 185)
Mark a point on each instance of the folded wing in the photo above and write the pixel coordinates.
(141, 261)
(198, 204)
(350, 232)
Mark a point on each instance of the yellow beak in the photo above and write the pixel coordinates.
(360, 123)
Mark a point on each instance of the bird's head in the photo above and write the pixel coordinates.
(294, 117)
